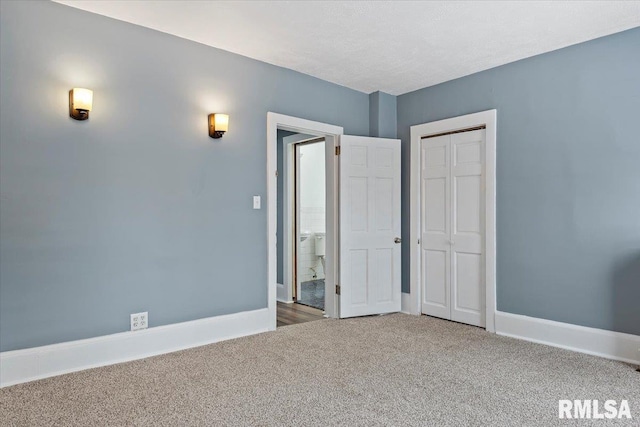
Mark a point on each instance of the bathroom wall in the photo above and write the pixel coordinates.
(312, 208)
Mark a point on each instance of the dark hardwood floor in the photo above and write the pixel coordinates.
(291, 314)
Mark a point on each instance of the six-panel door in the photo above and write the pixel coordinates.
(452, 226)
(369, 226)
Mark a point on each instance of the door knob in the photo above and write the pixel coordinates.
(397, 240)
(452, 242)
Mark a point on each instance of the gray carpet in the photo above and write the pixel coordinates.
(393, 370)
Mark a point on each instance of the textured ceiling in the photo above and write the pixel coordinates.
(392, 46)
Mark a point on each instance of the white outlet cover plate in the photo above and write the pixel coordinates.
(139, 321)
(256, 202)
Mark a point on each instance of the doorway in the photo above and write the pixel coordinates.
(282, 230)
(362, 254)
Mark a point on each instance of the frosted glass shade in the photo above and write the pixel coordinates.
(218, 125)
(82, 99)
(221, 122)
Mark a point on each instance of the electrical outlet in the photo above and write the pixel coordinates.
(139, 321)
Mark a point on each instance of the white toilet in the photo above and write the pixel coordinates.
(321, 248)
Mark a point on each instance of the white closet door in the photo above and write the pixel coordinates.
(467, 198)
(452, 227)
(369, 226)
(436, 225)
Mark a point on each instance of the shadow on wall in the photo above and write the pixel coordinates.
(626, 295)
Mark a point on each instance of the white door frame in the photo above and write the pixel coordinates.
(331, 133)
(487, 118)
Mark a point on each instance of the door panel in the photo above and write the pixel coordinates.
(435, 206)
(466, 235)
(369, 223)
(467, 276)
(436, 223)
(436, 296)
(452, 227)
(467, 190)
(359, 190)
(383, 213)
(383, 259)
(358, 277)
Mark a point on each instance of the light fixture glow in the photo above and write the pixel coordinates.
(218, 125)
(80, 103)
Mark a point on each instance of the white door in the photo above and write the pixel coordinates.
(369, 226)
(436, 226)
(452, 227)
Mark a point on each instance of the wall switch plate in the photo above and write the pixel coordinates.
(139, 321)
(256, 202)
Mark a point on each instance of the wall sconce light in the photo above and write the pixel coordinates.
(80, 102)
(218, 125)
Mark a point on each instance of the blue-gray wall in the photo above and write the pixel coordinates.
(382, 115)
(136, 209)
(568, 178)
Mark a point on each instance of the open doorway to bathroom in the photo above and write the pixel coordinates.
(283, 133)
(303, 203)
(310, 223)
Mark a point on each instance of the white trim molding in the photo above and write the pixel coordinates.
(489, 120)
(281, 294)
(407, 304)
(597, 342)
(30, 364)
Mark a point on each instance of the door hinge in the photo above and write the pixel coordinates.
(337, 150)
(337, 289)
(276, 173)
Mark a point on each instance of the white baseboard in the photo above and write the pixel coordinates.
(284, 301)
(597, 342)
(281, 292)
(407, 304)
(30, 364)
